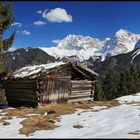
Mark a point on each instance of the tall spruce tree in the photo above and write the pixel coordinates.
(98, 91)
(6, 20)
(110, 84)
(129, 80)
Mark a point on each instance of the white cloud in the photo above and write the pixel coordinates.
(44, 13)
(17, 24)
(57, 15)
(56, 41)
(39, 23)
(39, 12)
(25, 32)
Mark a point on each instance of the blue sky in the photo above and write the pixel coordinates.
(95, 19)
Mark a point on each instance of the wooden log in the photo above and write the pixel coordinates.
(20, 86)
(21, 99)
(23, 91)
(76, 97)
(21, 81)
(80, 88)
(79, 99)
(80, 81)
(85, 93)
(81, 85)
(12, 102)
(80, 91)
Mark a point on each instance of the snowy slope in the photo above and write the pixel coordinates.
(115, 122)
(85, 47)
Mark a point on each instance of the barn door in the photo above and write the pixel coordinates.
(62, 86)
(57, 90)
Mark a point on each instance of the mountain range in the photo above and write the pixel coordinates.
(83, 48)
(92, 51)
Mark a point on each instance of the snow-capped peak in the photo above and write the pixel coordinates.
(122, 32)
(78, 42)
(123, 41)
(84, 47)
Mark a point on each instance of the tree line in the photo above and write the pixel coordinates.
(118, 83)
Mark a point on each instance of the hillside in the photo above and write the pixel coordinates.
(117, 61)
(26, 56)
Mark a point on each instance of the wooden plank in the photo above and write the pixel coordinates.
(21, 103)
(76, 97)
(20, 86)
(82, 86)
(14, 94)
(24, 91)
(21, 99)
(80, 71)
(83, 93)
(80, 91)
(21, 81)
(80, 95)
(81, 81)
(79, 99)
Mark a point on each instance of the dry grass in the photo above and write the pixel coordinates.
(4, 118)
(78, 126)
(31, 124)
(47, 122)
(137, 132)
(2, 96)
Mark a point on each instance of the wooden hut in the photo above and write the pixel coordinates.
(50, 83)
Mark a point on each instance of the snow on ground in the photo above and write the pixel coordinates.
(129, 98)
(115, 122)
(12, 130)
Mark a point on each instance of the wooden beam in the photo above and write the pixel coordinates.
(78, 70)
(81, 81)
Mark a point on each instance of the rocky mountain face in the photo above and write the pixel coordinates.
(86, 47)
(75, 46)
(26, 56)
(116, 62)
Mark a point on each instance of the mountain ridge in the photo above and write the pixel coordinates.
(84, 47)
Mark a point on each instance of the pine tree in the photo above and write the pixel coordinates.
(98, 91)
(6, 20)
(129, 80)
(110, 84)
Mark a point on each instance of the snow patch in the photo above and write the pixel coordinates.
(129, 98)
(135, 54)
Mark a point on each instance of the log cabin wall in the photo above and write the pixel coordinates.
(21, 92)
(81, 90)
(55, 87)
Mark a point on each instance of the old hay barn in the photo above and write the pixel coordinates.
(57, 82)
